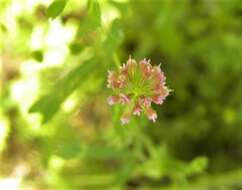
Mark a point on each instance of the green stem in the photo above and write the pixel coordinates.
(147, 143)
(116, 60)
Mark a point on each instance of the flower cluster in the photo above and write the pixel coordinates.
(137, 85)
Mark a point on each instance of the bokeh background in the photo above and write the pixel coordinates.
(57, 131)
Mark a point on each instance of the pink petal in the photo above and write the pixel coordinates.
(116, 80)
(158, 75)
(121, 81)
(151, 114)
(145, 68)
(124, 99)
(145, 101)
(131, 66)
(113, 100)
(125, 118)
(137, 110)
(124, 69)
(112, 79)
(158, 99)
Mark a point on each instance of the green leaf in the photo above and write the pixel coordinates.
(124, 172)
(198, 165)
(76, 48)
(94, 13)
(93, 19)
(102, 153)
(56, 8)
(38, 55)
(114, 38)
(49, 104)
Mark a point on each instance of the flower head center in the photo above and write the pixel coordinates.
(137, 85)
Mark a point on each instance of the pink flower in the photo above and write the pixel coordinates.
(136, 86)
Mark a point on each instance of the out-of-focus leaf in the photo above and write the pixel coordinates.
(93, 19)
(94, 13)
(159, 163)
(56, 8)
(76, 48)
(124, 173)
(5, 129)
(100, 152)
(68, 149)
(49, 104)
(197, 165)
(114, 38)
(3, 27)
(38, 55)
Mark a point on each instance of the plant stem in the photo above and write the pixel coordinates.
(116, 60)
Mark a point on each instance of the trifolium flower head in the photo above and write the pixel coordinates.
(136, 86)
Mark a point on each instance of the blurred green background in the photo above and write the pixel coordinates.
(57, 131)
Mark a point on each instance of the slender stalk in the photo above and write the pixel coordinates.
(147, 143)
(116, 60)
